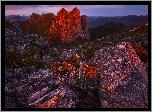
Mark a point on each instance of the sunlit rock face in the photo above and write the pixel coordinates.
(123, 78)
(65, 26)
(69, 26)
(38, 24)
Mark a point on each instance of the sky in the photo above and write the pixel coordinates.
(89, 10)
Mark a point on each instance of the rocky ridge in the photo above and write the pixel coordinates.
(65, 27)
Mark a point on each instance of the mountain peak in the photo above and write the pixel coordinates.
(75, 10)
(63, 10)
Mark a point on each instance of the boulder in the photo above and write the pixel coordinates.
(47, 60)
(39, 89)
(123, 77)
(61, 97)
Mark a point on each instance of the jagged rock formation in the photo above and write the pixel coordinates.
(64, 27)
(84, 26)
(69, 25)
(123, 77)
(38, 24)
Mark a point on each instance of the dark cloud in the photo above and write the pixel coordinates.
(14, 7)
(89, 10)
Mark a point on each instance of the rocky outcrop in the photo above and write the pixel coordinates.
(84, 26)
(63, 86)
(12, 26)
(23, 49)
(38, 24)
(64, 27)
(27, 91)
(70, 25)
(123, 77)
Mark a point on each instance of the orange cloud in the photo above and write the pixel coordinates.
(65, 6)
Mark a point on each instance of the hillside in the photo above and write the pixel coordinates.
(105, 30)
(72, 69)
(128, 20)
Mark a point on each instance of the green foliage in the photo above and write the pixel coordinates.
(11, 42)
(29, 61)
(89, 53)
(12, 58)
(32, 49)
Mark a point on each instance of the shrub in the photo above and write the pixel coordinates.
(30, 61)
(13, 58)
(90, 70)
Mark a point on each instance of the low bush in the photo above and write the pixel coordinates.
(31, 60)
(13, 58)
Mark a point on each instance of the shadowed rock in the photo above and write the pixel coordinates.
(38, 90)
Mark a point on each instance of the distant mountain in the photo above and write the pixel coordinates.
(128, 21)
(17, 18)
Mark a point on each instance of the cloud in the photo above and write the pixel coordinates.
(102, 6)
(16, 12)
(46, 9)
(15, 7)
(84, 9)
(29, 9)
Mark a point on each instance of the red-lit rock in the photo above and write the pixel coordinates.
(123, 77)
(66, 26)
(69, 26)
